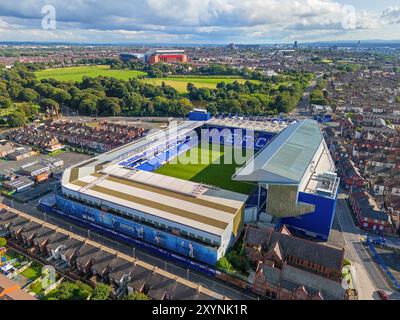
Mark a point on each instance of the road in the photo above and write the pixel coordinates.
(207, 282)
(369, 277)
(303, 108)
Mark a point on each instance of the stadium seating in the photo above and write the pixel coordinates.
(160, 155)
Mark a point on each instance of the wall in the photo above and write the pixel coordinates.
(129, 212)
(317, 223)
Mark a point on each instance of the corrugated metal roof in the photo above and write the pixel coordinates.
(287, 157)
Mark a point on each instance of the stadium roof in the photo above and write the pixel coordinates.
(180, 201)
(286, 158)
(192, 204)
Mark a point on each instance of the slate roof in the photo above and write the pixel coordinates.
(292, 246)
(85, 253)
(138, 278)
(331, 290)
(120, 267)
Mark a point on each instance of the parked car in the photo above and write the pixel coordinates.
(383, 295)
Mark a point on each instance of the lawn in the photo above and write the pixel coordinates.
(180, 83)
(33, 272)
(77, 73)
(213, 171)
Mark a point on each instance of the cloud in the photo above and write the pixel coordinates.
(188, 20)
(391, 15)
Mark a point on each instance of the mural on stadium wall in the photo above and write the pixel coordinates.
(148, 234)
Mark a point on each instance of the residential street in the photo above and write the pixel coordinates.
(198, 278)
(369, 278)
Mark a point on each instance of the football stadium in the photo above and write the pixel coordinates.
(181, 194)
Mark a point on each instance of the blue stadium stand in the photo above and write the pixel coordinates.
(145, 167)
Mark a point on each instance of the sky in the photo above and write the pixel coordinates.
(198, 21)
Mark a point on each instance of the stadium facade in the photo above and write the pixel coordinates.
(120, 193)
(156, 56)
(166, 56)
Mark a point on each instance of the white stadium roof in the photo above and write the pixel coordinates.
(286, 158)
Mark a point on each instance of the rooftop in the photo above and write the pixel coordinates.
(191, 204)
(263, 125)
(286, 158)
(297, 156)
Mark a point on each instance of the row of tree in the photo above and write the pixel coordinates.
(104, 96)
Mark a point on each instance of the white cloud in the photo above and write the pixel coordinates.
(391, 15)
(186, 20)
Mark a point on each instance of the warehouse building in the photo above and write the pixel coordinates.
(34, 170)
(19, 185)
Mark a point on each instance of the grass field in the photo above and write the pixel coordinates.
(180, 83)
(33, 272)
(77, 73)
(206, 168)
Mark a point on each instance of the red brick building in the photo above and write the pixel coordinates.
(166, 56)
(291, 268)
(368, 213)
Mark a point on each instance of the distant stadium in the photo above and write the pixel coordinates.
(177, 192)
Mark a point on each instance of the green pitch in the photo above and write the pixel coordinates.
(211, 170)
(77, 73)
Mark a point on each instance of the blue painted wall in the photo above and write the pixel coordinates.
(199, 116)
(176, 244)
(320, 221)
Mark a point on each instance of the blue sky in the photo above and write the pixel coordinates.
(201, 21)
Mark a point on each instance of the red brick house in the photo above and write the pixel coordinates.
(276, 249)
(369, 215)
(351, 174)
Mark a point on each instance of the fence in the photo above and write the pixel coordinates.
(383, 265)
(52, 287)
(20, 270)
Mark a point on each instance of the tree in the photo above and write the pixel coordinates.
(5, 103)
(73, 291)
(61, 96)
(3, 242)
(88, 107)
(16, 119)
(28, 95)
(101, 292)
(136, 296)
(28, 109)
(225, 265)
(109, 107)
(49, 104)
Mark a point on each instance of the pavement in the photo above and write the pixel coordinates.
(368, 276)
